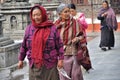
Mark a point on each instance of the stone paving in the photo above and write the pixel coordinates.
(106, 64)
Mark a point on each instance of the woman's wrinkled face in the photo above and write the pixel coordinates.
(73, 12)
(104, 5)
(65, 14)
(37, 16)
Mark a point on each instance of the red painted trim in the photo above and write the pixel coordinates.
(96, 27)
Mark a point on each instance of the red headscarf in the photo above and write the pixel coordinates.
(40, 36)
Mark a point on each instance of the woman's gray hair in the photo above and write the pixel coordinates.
(61, 7)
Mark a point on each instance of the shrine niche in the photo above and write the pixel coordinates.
(13, 22)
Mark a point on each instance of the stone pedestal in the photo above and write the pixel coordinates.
(8, 52)
(8, 49)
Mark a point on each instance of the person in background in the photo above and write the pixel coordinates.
(83, 24)
(42, 46)
(108, 24)
(72, 35)
(78, 16)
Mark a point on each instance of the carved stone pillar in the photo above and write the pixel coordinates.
(1, 28)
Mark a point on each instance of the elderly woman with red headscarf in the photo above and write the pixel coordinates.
(42, 46)
(72, 37)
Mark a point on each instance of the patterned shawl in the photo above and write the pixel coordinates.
(111, 20)
(70, 30)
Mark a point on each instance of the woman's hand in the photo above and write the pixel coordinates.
(75, 40)
(104, 14)
(20, 64)
(62, 23)
(60, 64)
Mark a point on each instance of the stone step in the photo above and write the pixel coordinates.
(4, 39)
(7, 73)
(17, 37)
(6, 42)
(10, 47)
(9, 55)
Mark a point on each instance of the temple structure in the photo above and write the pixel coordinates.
(17, 17)
(8, 48)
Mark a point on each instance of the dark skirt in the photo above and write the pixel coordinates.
(43, 73)
(107, 37)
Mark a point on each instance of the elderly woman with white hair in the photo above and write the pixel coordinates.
(71, 35)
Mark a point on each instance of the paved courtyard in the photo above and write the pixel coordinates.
(106, 64)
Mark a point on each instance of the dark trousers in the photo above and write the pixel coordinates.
(43, 73)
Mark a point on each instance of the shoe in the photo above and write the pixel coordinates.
(104, 49)
(109, 48)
